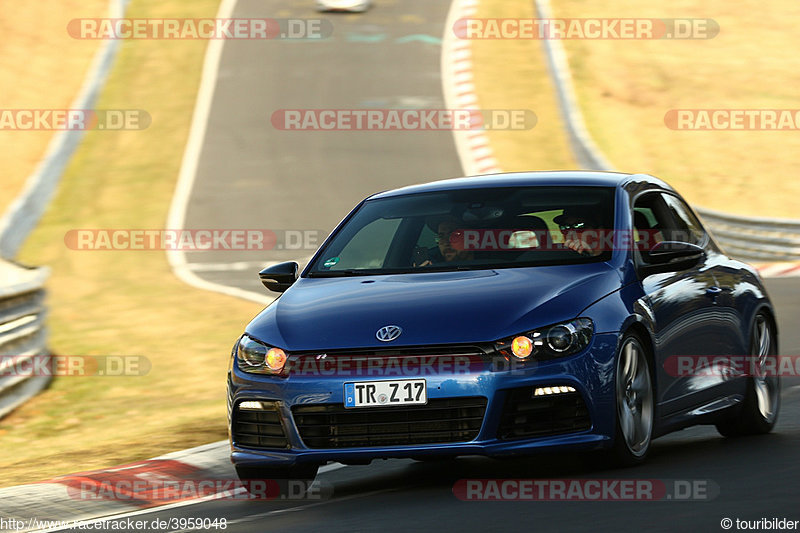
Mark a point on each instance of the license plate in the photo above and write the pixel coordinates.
(385, 393)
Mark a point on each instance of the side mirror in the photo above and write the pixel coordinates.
(280, 277)
(667, 256)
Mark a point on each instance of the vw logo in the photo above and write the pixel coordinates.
(388, 333)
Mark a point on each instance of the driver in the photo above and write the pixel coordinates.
(446, 251)
(573, 222)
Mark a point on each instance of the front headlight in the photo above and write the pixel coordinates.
(258, 358)
(558, 340)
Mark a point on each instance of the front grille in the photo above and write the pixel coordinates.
(258, 428)
(525, 415)
(440, 421)
(391, 361)
(444, 349)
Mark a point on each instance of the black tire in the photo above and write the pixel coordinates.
(634, 401)
(290, 480)
(762, 399)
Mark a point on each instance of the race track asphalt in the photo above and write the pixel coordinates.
(255, 176)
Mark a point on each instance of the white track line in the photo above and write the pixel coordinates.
(189, 164)
(22, 216)
(456, 66)
(251, 518)
(225, 267)
(237, 265)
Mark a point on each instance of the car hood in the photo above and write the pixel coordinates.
(431, 308)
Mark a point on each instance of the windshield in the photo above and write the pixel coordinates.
(469, 229)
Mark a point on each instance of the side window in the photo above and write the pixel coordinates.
(652, 222)
(687, 228)
(368, 247)
(662, 217)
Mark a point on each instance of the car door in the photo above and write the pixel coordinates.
(727, 276)
(684, 306)
(716, 380)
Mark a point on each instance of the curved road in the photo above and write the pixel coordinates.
(252, 176)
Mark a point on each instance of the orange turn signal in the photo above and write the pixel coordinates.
(522, 347)
(275, 359)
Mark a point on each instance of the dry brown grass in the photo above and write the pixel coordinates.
(41, 67)
(512, 74)
(626, 87)
(127, 303)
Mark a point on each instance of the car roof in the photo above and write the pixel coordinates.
(574, 178)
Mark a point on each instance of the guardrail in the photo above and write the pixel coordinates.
(22, 311)
(760, 239)
(25, 211)
(23, 335)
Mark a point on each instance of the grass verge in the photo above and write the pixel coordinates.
(512, 74)
(625, 87)
(127, 302)
(35, 53)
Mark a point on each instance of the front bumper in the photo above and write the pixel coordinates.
(590, 373)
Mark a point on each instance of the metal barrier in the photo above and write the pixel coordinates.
(23, 336)
(760, 239)
(22, 310)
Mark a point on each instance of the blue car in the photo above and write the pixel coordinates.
(500, 316)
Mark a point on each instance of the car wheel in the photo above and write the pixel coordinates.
(634, 403)
(762, 399)
(299, 476)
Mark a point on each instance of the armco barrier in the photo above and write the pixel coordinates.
(760, 239)
(22, 332)
(22, 311)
